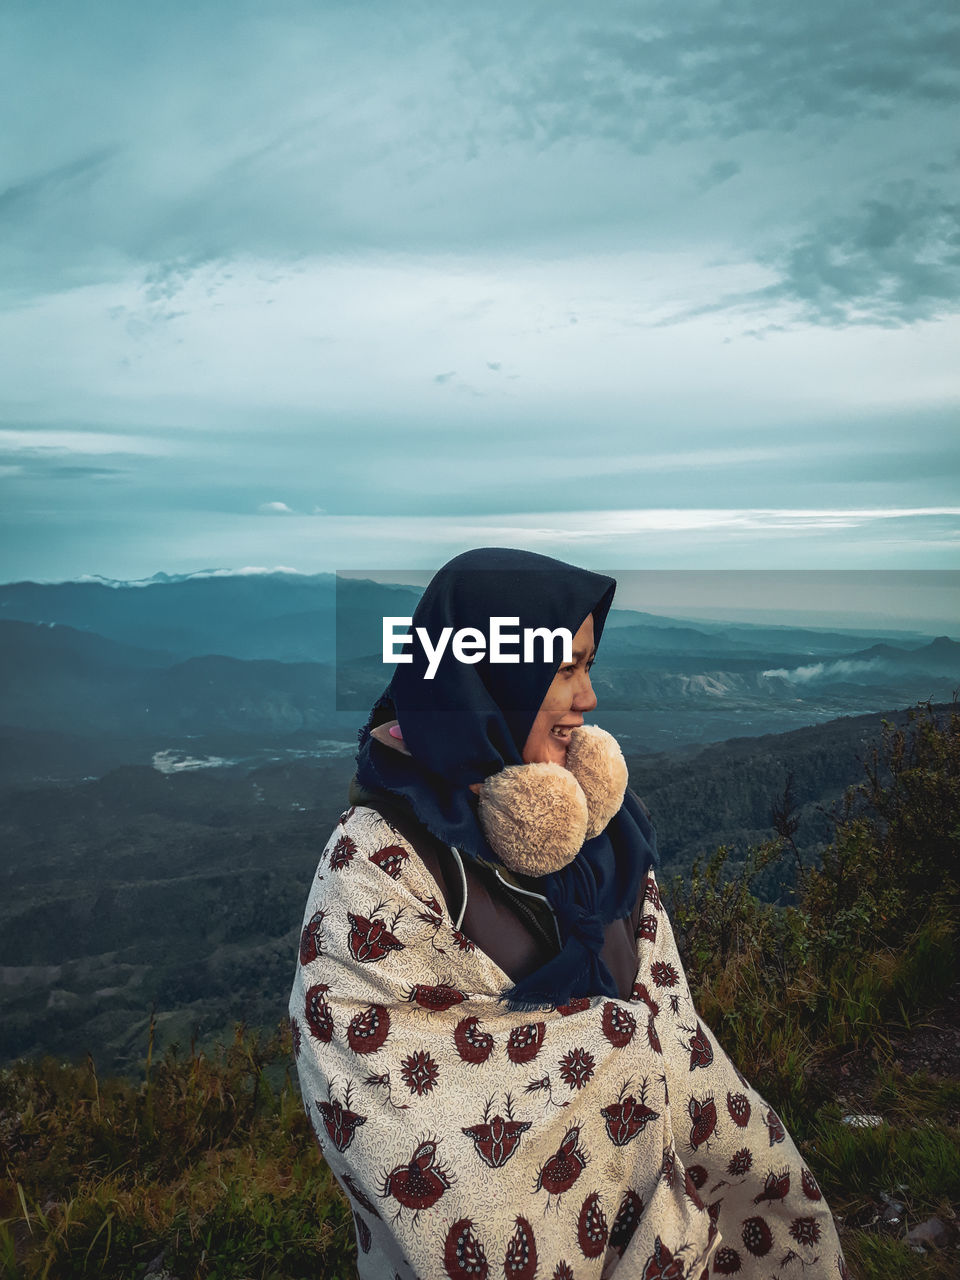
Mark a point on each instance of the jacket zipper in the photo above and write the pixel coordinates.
(528, 914)
(527, 911)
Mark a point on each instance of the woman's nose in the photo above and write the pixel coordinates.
(584, 699)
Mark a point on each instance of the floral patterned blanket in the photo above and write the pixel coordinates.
(601, 1138)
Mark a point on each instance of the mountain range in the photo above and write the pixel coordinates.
(189, 671)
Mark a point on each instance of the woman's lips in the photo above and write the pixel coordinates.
(562, 732)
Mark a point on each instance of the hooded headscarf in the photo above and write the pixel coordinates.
(472, 720)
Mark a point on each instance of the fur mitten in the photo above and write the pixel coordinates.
(596, 761)
(534, 817)
(537, 816)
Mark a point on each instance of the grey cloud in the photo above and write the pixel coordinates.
(85, 473)
(61, 182)
(165, 279)
(893, 260)
(720, 172)
(443, 378)
(726, 69)
(507, 129)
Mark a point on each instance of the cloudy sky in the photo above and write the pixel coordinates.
(334, 285)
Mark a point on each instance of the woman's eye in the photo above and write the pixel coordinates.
(569, 670)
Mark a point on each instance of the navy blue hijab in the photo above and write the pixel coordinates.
(471, 721)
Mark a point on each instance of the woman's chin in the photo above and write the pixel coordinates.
(551, 751)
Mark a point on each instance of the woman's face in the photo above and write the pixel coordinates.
(569, 696)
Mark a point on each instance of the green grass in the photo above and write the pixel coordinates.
(868, 949)
(204, 1161)
(871, 1255)
(857, 1164)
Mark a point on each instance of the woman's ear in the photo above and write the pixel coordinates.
(383, 734)
(596, 761)
(534, 817)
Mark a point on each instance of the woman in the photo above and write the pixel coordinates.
(494, 1034)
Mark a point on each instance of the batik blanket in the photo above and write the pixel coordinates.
(596, 1139)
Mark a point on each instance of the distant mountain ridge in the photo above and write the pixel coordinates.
(56, 677)
(284, 616)
(941, 653)
(217, 664)
(160, 576)
(291, 616)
